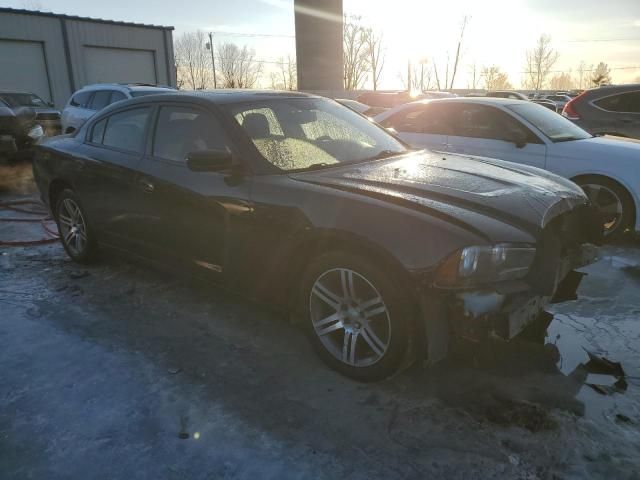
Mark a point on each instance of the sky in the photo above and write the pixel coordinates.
(498, 32)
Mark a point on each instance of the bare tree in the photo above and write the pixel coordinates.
(582, 78)
(495, 79)
(465, 20)
(562, 81)
(475, 76)
(285, 77)
(421, 76)
(238, 66)
(453, 69)
(539, 62)
(355, 58)
(601, 75)
(375, 54)
(193, 61)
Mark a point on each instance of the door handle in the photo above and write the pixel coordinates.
(147, 187)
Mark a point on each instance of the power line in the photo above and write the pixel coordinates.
(596, 40)
(242, 34)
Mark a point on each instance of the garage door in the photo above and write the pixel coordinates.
(119, 65)
(24, 68)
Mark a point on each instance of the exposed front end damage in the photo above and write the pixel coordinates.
(503, 310)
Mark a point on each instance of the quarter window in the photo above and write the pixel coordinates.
(624, 103)
(480, 121)
(98, 131)
(125, 130)
(183, 130)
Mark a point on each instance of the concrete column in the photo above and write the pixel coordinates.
(319, 44)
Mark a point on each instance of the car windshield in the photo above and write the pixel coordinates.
(554, 126)
(23, 100)
(306, 133)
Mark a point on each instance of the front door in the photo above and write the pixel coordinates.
(191, 217)
(486, 131)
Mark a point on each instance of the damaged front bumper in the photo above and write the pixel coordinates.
(502, 310)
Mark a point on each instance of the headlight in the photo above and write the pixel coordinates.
(479, 265)
(36, 132)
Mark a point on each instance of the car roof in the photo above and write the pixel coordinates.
(611, 89)
(477, 100)
(131, 87)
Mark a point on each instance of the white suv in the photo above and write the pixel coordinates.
(88, 100)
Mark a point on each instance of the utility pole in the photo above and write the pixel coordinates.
(213, 59)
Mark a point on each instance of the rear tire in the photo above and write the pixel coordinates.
(76, 234)
(613, 201)
(357, 318)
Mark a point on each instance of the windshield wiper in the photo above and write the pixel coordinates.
(383, 154)
(314, 166)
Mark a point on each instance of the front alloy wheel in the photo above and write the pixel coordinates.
(612, 202)
(358, 316)
(350, 317)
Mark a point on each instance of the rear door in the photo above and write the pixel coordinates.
(422, 126)
(190, 217)
(486, 131)
(112, 151)
(622, 112)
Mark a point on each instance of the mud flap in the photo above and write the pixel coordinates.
(436, 329)
(568, 287)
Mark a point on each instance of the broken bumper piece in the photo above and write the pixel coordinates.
(504, 311)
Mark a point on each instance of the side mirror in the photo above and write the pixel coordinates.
(518, 137)
(209, 160)
(51, 104)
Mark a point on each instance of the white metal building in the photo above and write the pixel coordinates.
(54, 55)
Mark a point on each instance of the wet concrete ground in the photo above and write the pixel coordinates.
(105, 369)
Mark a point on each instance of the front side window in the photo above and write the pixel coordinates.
(80, 99)
(623, 103)
(100, 100)
(481, 121)
(554, 126)
(117, 96)
(125, 130)
(311, 133)
(183, 130)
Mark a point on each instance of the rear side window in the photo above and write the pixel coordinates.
(125, 130)
(100, 100)
(182, 130)
(432, 119)
(624, 102)
(481, 121)
(80, 99)
(117, 96)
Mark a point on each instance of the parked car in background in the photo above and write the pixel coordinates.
(506, 94)
(19, 132)
(84, 103)
(559, 100)
(46, 115)
(385, 99)
(609, 110)
(297, 200)
(547, 104)
(359, 107)
(527, 133)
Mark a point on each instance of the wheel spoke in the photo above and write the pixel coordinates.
(65, 220)
(78, 242)
(337, 325)
(348, 290)
(349, 347)
(69, 236)
(326, 295)
(369, 336)
(372, 307)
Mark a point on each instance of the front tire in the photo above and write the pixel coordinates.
(73, 226)
(357, 318)
(612, 201)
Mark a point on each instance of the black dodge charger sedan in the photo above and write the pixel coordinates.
(382, 253)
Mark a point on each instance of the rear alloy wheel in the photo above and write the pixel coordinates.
(73, 228)
(613, 203)
(357, 319)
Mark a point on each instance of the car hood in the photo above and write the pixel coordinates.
(456, 185)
